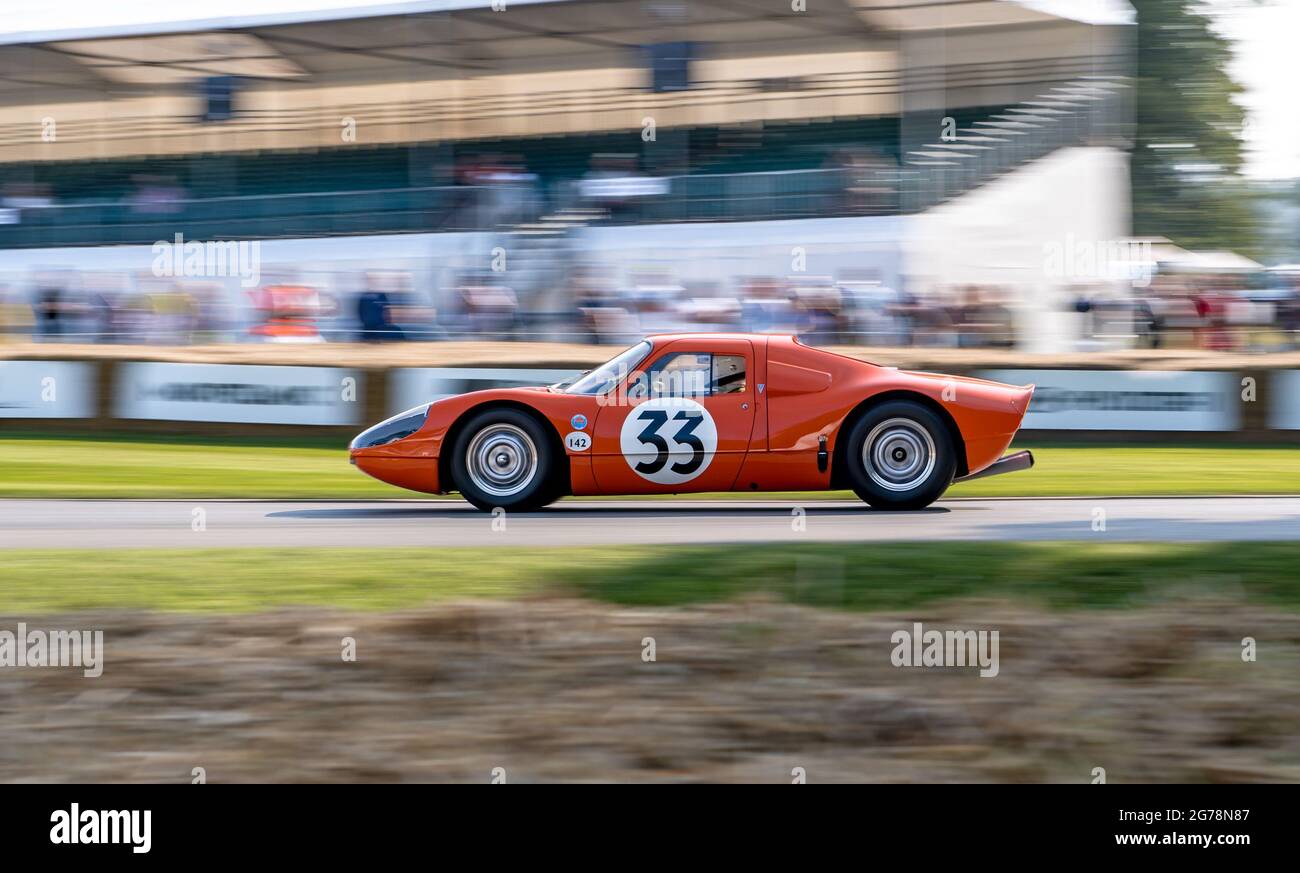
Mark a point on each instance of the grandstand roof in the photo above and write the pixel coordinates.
(400, 41)
(48, 22)
(457, 37)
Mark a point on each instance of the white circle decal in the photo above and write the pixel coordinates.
(669, 440)
(577, 441)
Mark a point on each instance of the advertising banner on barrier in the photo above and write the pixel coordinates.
(1153, 400)
(1284, 400)
(47, 389)
(415, 385)
(239, 393)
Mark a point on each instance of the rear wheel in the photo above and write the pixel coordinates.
(900, 456)
(503, 458)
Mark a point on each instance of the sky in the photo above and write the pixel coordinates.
(1265, 36)
(47, 15)
(52, 14)
(1264, 33)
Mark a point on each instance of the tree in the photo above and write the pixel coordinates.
(1187, 150)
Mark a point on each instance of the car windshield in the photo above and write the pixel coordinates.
(608, 374)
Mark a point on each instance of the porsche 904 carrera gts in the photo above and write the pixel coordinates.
(681, 413)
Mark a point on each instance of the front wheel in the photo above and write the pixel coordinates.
(503, 458)
(900, 456)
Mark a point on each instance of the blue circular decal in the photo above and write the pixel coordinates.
(579, 422)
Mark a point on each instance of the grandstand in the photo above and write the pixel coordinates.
(390, 118)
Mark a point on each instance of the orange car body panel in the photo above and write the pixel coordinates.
(768, 435)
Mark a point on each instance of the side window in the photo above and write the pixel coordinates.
(697, 374)
(681, 374)
(728, 374)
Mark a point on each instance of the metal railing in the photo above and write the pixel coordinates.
(243, 217)
(719, 197)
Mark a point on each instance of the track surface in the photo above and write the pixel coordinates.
(103, 524)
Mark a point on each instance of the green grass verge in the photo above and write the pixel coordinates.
(112, 467)
(122, 467)
(843, 576)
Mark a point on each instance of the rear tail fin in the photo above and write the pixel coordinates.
(1021, 403)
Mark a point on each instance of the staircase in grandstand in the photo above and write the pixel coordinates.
(1088, 111)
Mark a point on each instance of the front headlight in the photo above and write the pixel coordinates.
(391, 430)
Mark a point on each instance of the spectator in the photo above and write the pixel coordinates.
(21, 197)
(374, 314)
(50, 311)
(157, 195)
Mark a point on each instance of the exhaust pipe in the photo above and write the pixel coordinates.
(1006, 464)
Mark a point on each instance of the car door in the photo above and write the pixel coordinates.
(681, 422)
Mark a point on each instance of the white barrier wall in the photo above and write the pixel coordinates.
(412, 386)
(47, 389)
(1284, 405)
(1064, 400)
(239, 393)
(1138, 400)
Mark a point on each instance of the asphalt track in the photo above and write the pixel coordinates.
(116, 524)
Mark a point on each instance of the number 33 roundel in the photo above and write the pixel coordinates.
(669, 440)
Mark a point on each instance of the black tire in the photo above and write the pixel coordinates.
(498, 438)
(895, 471)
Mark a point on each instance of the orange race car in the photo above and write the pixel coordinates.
(707, 412)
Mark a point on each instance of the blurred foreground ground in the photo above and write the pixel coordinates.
(556, 689)
(1126, 656)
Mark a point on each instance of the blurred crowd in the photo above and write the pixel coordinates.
(1211, 311)
(848, 310)
(592, 305)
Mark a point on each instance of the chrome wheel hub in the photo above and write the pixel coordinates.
(898, 454)
(501, 460)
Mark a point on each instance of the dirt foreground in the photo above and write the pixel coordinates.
(557, 689)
